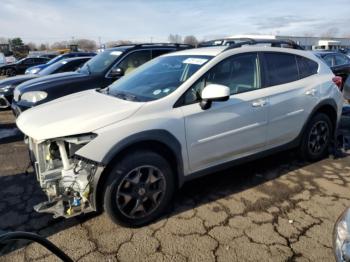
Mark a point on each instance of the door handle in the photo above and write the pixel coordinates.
(259, 103)
(311, 92)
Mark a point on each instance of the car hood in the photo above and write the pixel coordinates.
(40, 82)
(15, 80)
(75, 114)
(8, 64)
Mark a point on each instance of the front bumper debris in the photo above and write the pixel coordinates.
(66, 178)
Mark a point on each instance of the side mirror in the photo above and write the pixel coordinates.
(116, 72)
(214, 93)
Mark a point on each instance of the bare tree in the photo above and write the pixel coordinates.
(331, 32)
(191, 40)
(43, 47)
(86, 44)
(175, 38)
(32, 46)
(60, 45)
(3, 40)
(308, 34)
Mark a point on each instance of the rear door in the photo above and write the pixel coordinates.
(292, 92)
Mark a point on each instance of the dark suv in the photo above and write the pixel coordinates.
(338, 62)
(99, 72)
(21, 66)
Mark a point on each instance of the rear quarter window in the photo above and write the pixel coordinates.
(307, 67)
(281, 68)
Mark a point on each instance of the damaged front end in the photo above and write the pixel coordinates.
(66, 178)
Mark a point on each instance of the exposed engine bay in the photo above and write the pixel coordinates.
(65, 177)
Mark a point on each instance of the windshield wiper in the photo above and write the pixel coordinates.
(103, 90)
(126, 96)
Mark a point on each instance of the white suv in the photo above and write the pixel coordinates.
(128, 147)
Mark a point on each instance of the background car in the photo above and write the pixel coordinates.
(101, 71)
(36, 69)
(50, 56)
(8, 85)
(338, 62)
(21, 66)
(2, 59)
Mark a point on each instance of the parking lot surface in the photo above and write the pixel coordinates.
(275, 209)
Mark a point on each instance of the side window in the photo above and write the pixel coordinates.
(329, 59)
(306, 66)
(341, 59)
(281, 68)
(241, 73)
(72, 66)
(134, 60)
(42, 60)
(159, 52)
(28, 61)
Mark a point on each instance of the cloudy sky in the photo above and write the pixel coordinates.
(50, 21)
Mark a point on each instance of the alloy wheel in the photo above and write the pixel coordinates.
(141, 191)
(318, 137)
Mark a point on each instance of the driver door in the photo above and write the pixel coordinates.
(232, 129)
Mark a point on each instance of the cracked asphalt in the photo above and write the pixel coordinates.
(274, 209)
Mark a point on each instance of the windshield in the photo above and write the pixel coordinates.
(56, 59)
(100, 62)
(157, 78)
(21, 60)
(52, 68)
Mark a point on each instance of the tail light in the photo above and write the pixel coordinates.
(338, 81)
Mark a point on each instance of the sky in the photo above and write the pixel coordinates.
(49, 21)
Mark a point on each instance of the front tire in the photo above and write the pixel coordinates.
(317, 138)
(138, 189)
(10, 72)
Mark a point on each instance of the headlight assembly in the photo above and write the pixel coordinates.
(34, 96)
(341, 237)
(5, 89)
(32, 71)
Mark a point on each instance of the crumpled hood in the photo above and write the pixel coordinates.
(75, 114)
(41, 82)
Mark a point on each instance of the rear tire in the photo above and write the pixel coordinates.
(317, 138)
(139, 188)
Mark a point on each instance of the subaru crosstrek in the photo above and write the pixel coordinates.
(128, 147)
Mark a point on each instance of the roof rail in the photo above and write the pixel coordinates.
(222, 41)
(238, 42)
(274, 43)
(157, 44)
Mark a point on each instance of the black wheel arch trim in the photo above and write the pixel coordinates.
(156, 135)
(326, 102)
